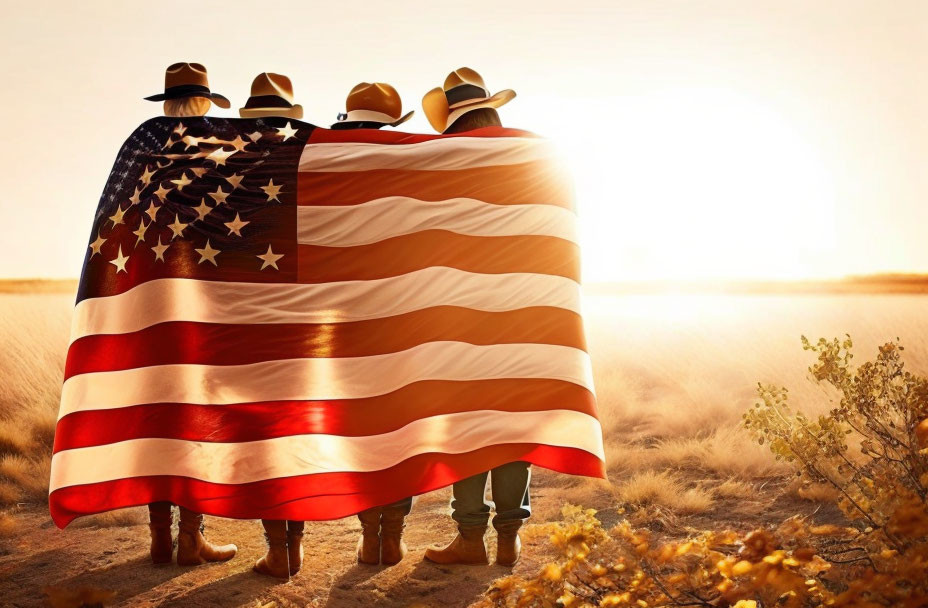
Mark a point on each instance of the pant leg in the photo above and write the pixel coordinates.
(510, 483)
(404, 505)
(469, 506)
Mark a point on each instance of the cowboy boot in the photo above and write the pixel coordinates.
(160, 520)
(369, 544)
(295, 545)
(468, 547)
(508, 543)
(192, 548)
(392, 547)
(276, 562)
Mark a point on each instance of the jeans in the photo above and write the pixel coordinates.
(509, 483)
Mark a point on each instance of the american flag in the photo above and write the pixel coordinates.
(282, 321)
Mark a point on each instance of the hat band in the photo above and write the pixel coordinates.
(465, 92)
(186, 90)
(267, 101)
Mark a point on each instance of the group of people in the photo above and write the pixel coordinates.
(462, 104)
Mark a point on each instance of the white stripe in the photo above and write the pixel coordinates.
(384, 218)
(322, 378)
(164, 300)
(446, 154)
(246, 462)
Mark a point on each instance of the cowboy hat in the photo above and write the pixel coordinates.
(462, 92)
(375, 102)
(188, 80)
(271, 95)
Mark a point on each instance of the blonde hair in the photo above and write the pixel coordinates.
(186, 106)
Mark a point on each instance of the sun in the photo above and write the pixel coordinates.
(691, 184)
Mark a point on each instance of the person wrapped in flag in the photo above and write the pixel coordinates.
(283, 322)
(186, 94)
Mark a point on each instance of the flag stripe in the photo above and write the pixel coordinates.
(436, 248)
(390, 137)
(221, 344)
(533, 183)
(209, 301)
(349, 417)
(313, 497)
(319, 378)
(313, 454)
(443, 154)
(384, 218)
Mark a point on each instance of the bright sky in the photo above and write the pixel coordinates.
(709, 139)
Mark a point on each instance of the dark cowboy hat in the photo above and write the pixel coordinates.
(188, 80)
(271, 95)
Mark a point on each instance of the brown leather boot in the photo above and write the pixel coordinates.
(276, 562)
(160, 520)
(295, 545)
(369, 544)
(192, 548)
(508, 547)
(468, 547)
(392, 547)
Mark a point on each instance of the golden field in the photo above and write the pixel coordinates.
(674, 373)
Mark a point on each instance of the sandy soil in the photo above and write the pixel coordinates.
(116, 558)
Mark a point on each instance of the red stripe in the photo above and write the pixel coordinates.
(347, 417)
(313, 497)
(377, 136)
(219, 344)
(538, 182)
(408, 253)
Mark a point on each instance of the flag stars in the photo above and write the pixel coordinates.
(177, 227)
(270, 258)
(160, 248)
(238, 143)
(180, 129)
(140, 232)
(96, 245)
(134, 199)
(208, 254)
(219, 195)
(120, 262)
(199, 171)
(236, 225)
(162, 192)
(183, 181)
(235, 180)
(190, 141)
(287, 132)
(117, 217)
(272, 190)
(146, 176)
(152, 210)
(254, 136)
(219, 156)
(202, 209)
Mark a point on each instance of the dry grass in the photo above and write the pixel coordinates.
(114, 519)
(8, 525)
(664, 489)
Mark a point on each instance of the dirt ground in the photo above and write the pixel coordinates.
(116, 557)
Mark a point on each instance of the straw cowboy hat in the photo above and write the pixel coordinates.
(374, 102)
(188, 80)
(271, 95)
(462, 92)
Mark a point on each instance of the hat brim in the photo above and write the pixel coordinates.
(295, 111)
(377, 117)
(216, 98)
(496, 100)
